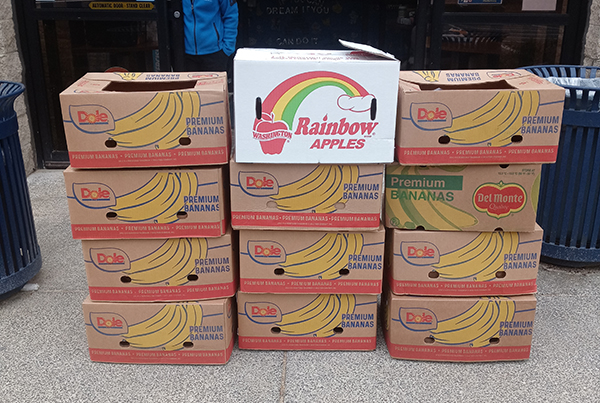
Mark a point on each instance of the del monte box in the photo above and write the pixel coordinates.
(315, 106)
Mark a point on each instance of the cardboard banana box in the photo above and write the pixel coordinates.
(124, 120)
(463, 263)
(290, 262)
(477, 117)
(306, 197)
(307, 321)
(458, 329)
(146, 203)
(480, 198)
(315, 106)
(174, 269)
(195, 332)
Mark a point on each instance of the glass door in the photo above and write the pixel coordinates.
(63, 40)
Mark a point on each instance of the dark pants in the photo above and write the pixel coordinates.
(217, 61)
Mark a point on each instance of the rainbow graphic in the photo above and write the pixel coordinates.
(280, 106)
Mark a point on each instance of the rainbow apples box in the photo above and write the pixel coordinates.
(462, 198)
(463, 263)
(458, 329)
(307, 321)
(174, 269)
(123, 120)
(194, 332)
(290, 262)
(315, 106)
(146, 203)
(306, 196)
(477, 117)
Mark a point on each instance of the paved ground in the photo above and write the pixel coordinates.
(43, 351)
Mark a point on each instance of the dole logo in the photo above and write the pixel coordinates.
(262, 312)
(430, 115)
(420, 253)
(91, 118)
(258, 183)
(108, 323)
(266, 252)
(499, 200)
(418, 319)
(109, 259)
(94, 195)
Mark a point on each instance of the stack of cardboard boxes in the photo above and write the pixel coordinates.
(470, 146)
(313, 129)
(159, 258)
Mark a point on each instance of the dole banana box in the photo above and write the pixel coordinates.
(124, 120)
(307, 321)
(458, 329)
(477, 198)
(463, 263)
(315, 106)
(146, 203)
(290, 262)
(477, 117)
(193, 332)
(174, 269)
(306, 196)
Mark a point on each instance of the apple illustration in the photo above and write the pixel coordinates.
(271, 134)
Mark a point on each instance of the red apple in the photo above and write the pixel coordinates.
(271, 134)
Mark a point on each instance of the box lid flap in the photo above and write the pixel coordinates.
(367, 49)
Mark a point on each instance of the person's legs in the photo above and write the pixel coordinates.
(212, 62)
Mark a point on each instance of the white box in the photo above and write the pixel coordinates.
(315, 106)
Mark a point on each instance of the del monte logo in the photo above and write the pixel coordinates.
(276, 115)
(499, 200)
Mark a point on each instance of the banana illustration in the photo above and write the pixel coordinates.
(167, 330)
(161, 122)
(496, 122)
(325, 258)
(431, 76)
(318, 191)
(172, 262)
(477, 325)
(318, 318)
(481, 258)
(158, 200)
(427, 212)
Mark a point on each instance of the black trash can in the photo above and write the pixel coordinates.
(569, 204)
(20, 257)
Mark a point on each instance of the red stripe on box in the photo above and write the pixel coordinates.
(178, 293)
(186, 356)
(148, 231)
(295, 286)
(307, 343)
(476, 155)
(452, 353)
(278, 219)
(149, 158)
(464, 288)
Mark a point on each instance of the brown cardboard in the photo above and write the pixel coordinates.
(477, 117)
(291, 262)
(175, 269)
(307, 321)
(463, 263)
(197, 332)
(458, 329)
(124, 120)
(306, 197)
(462, 198)
(146, 203)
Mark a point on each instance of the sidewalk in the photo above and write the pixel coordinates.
(44, 358)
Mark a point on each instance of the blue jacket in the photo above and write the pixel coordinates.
(210, 26)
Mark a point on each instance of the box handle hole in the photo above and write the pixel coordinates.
(420, 228)
(499, 229)
(111, 215)
(373, 108)
(258, 108)
(338, 330)
(192, 277)
(188, 344)
(445, 139)
(124, 343)
(185, 141)
(500, 274)
(429, 340)
(433, 274)
(344, 272)
(504, 166)
(125, 279)
(494, 340)
(517, 138)
(182, 215)
(279, 271)
(275, 330)
(110, 143)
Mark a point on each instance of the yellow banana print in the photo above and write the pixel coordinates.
(159, 200)
(318, 191)
(167, 330)
(431, 76)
